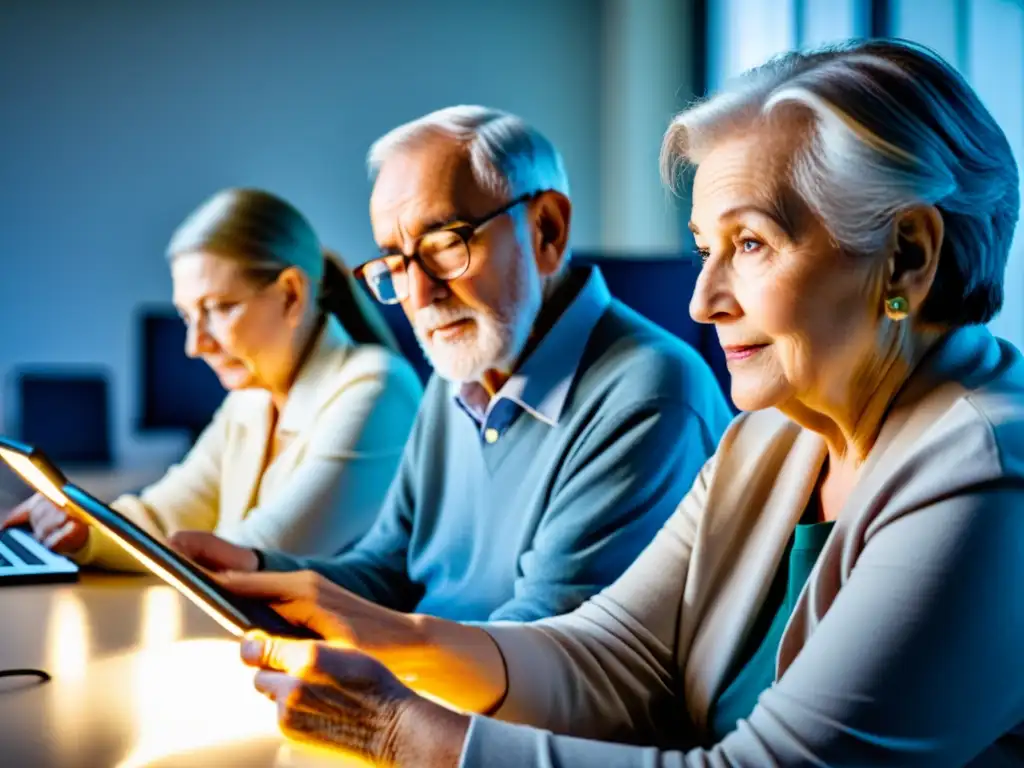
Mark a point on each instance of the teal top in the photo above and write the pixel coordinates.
(754, 670)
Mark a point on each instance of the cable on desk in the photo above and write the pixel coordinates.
(43, 675)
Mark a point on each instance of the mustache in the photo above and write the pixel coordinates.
(435, 316)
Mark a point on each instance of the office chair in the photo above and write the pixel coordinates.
(659, 287)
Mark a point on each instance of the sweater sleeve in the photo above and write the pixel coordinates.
(916, 663)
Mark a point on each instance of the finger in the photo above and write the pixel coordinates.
(275, 685)
(265, 585)
(296, 657)
(47, 523)
(53, 539)
(57, 541)
(328, 623)
(23, 514)
(313, 661)
(39, 509)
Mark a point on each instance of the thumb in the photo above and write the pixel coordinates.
(279, 653)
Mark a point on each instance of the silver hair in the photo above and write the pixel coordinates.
(266, 234)
(509, 158)
(891, 126)
(256, 228)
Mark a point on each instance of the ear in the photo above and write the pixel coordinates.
(295, 290)
(915, 257)
(551, 214)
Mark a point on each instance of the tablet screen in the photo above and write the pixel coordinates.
(236, 614)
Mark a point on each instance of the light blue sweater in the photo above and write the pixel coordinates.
(603, 431)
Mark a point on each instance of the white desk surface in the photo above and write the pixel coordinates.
(141, 677)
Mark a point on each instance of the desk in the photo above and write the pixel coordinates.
(141, 677)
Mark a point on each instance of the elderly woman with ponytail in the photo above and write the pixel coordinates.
(301, 453)
(841, 585)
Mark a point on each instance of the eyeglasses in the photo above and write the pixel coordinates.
(212, 316)
(443, 254)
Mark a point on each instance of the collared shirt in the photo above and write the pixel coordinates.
(541, 384)
(533, 521)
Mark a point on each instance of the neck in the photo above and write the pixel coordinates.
(559, 292)
(301, 348)
(850, 418)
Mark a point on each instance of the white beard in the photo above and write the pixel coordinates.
(494, 340)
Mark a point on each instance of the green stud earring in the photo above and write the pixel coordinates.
(897, 307)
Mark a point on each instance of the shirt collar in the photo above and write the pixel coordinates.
(315, 378)
(540, 386)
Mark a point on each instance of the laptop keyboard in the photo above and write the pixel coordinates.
(15, 546)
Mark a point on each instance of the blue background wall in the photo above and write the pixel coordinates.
(120, 116)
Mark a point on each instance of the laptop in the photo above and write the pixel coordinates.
(235, 614)
(23, 560)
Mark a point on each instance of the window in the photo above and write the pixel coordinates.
(984, 39)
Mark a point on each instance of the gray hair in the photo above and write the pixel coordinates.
(255, 228)
(891, 126)
(266, 235)
(509, 158)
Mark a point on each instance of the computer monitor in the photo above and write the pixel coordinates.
(177, 392)
(67, 409)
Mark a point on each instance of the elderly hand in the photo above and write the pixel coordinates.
(212, 552)
(308, 599)
(347, 701)
(51, 526)
(456, 663)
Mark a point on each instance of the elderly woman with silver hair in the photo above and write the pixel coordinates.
(840, 586)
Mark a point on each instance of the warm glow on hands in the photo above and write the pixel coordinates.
(308, 599)
(445, 661)
(330, 696)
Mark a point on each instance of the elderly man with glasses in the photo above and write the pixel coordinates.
(561, 429)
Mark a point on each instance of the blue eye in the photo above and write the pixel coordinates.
(702, 255)
(749, 246)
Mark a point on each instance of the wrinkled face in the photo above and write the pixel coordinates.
(480, 320)
(797, 317)
(239, 327)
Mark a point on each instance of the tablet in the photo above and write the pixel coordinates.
(236, 614)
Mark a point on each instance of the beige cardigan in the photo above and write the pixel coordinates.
(906, 647)
(344, 428)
